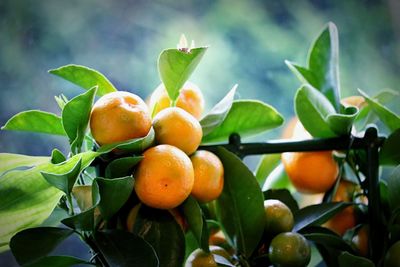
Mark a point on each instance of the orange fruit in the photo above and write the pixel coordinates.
(355, 100)
(208, 176)
(217, 238)
(289, 249)
(278, 217)
(164, 177)
(346, 218)
(190, 99)
(360, 240)
(311, 172)
(200, 258)
(119, 116)
(176, 127)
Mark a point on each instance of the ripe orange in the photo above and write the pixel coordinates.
(355, 100)
(164, 178)
(200, 258)
(311, 172)
(208, 176)
(278, 217)
(190, 99)
(289, 249)
(176, 127)
(119, 116)
(346, 218)
(360, 240)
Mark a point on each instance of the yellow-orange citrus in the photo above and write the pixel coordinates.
(119, 116)
(278, 217)
(346, 218)
(190, 99)
(164, 178)
(208, 176)
(355, 100)
(311, 172)
(200, 258)
(176, 127)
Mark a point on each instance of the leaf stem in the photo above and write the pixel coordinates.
(70, 204)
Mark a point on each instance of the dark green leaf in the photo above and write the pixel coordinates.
(326, 238)
(240, 208)
(341, 123)
(9, 161)
(390, 151)
(27, 199)
(122, 167)
(35, 121)
(75, 118)
(159, 228)
(137, 145)
(176, 66)
(124, 249)
(246, 117)
(390, 119)
(323, 62)
(85, 78)
(316, 214)
(32, 244)
(64, 181)
(196, 221)
(284, 196)
(84, 221)
(55, 218)
(113, 194)
(348, 260)
(218, 113)
(312, 109)
(265, 166)
(57, 156)
(58, 261)
(394, 188)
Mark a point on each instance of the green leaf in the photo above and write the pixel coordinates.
(27, 199)
(316, 214)
(121, 248)
(327, 238)
(57, 156)
(113, 194)
(160, 229)
(176, 66)
(137, 145)
(390, 151)
(323, 62)
(312, 109)
(394, 188)
(32, 244)
(64, 181)
(246, 117)
(341, 123)
(58, 261)
(9, 161)
(303, 74)
(122, 167)
(84, 221)
(284, 196)
(61, 101)
(278, 179)
(35, 121)
(390, 119)
(265, 166)
(348, 260)
(218, 113)
(240, 207)
(196, 221)
(85, 78)
(75, 118)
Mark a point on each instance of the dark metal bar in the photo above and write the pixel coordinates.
(377, 229)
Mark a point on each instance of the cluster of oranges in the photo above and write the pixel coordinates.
(173, 168)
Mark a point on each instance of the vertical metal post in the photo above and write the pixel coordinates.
(377, 230)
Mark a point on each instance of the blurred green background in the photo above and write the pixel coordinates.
(249, 41)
